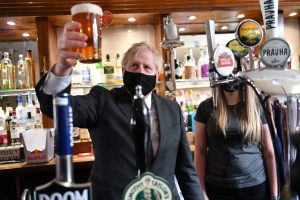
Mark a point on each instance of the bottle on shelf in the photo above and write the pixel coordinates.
(38, 120)
(7, 127)
(14, 130)
(29, 70)
(3, 133)
(86, 74)
(20, 73)
(30, 122)
(189, 68)
(97, 74)
(29, 107)
(7, 73)
(203, 63)
(118, 70)
(178, 67)
(76, 76)
(109, 71)
(21, 112)
(8, 109)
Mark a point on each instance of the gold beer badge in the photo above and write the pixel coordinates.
(238, 50)
(148, 187)
(249, 33)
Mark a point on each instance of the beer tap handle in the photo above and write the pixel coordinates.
(140, 123)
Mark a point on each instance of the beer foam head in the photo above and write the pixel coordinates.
(86, 8)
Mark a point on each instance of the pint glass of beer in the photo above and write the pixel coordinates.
(89, 15)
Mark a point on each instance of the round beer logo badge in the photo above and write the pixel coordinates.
(249, 33)
(107, 17)
(148, 187)
(275, 52)
(238, 50)
(224, 61)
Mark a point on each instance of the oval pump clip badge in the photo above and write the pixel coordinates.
(224, 61)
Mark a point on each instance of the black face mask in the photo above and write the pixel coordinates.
(133, 79)
(232, 86)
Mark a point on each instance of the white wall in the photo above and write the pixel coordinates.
(292, 35)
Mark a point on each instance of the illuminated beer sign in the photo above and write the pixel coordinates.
(275, 52)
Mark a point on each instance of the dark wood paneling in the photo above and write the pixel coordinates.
(62, 7)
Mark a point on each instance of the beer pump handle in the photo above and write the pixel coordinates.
(140, 124)
(211, 46)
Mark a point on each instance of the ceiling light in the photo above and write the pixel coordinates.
(26, 34)
(131, 19)
(129, 31)
(224, 27)
(192, 17)
(181, 29)
(240, 16)
(293, 14)
(11, 23)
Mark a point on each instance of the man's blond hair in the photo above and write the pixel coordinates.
(137, 48)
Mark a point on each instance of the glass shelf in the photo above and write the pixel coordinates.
(192, 83)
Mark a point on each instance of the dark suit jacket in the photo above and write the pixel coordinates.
(106, 114)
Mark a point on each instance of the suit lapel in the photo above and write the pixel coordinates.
(161, 120)
(124, 102)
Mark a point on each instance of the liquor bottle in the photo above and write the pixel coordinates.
(21, 113)
(14, 130)
(109, 71)
(203, 63)
(29, 70)
(118, 70)
(178, 68)
(97, 74)
(86, 74)
(29, 107)
(7, 128)
(7, 73)
(20, 73)
(8, 109)
(29, 122)
(38, 120)
(76, 76)
(189, 68)
(3, 133)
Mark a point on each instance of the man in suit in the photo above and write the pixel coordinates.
(106, 114)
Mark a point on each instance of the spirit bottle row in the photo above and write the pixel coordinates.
(106, 72)
(19, 76)
(23, 118)
(189, 69)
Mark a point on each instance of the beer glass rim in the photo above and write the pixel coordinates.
(86, 8)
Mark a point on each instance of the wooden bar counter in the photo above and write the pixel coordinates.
(15, 177)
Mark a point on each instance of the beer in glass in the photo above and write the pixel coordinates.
(89, 15)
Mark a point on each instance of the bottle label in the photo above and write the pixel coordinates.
(178, 71)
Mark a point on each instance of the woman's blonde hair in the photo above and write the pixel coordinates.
(138, 47)
(250, 121)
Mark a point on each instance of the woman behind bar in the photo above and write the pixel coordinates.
(234, 154)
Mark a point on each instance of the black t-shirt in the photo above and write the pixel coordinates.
(231, 161)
